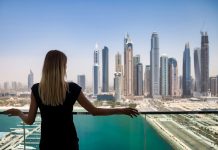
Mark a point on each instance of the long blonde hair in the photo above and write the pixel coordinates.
(52, 87)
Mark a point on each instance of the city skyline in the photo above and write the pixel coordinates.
(27, 34)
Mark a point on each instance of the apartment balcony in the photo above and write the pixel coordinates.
(150, 131)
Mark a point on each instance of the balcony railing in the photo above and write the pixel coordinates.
(150, 130)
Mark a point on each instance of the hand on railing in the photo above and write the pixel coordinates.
(13, 112)
(130, 112)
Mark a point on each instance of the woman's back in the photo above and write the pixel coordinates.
(57, 127)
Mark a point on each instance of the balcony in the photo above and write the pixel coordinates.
(150, 130)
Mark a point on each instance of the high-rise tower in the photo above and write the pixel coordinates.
(30, 80)
(186, 85)
(105, 70)
(128, 66)
(139, 79)
(136, 61)
(204, 63)
(197, 68)
(96, 72)
(173, 77)
(154, 65)
(164, 75)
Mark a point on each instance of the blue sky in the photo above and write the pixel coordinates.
(28, 29)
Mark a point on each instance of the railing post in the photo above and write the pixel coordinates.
(24, 137)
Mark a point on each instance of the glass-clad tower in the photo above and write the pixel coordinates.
(186, 85)
(105, 70)
(154, 65)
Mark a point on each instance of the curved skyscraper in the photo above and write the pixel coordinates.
(186, 81)
(154, 65)
(197, 67)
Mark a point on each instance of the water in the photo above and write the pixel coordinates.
(108, 133)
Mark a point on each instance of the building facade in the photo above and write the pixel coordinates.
(117, 85)
(136, 61)
(81, 81)
(197, 68)
(186, 81)
(173, 77)
(105, 70)
(147, 80)
(204, 63)
(139, 79)
(30, 80)
(96, 72)
(128, 66)
(164, 75)
(154, 66)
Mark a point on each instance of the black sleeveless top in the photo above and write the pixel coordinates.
(57, 127)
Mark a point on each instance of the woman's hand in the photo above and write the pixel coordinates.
(13, 112)
(130, 112)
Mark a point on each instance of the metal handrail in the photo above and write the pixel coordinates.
(153, 112)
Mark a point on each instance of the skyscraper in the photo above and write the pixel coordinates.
(81, 81)
(105, 70)
(197, 67)
(154, 64)
(139, 79)
(6, 86)
(173, 77)
(204, 63)
(30, 80)
(186, 85)
(96, 72)
(117, 85)
(213, 86)
(118, 63)
(164, 75)
(14, 85)
(217, 85)
(128, 66)
(119, 69)
(136, 61)
(147, 80)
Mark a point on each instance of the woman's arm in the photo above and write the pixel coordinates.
(27, 118)
(84, 102)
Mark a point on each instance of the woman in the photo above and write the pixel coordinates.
(55, 99)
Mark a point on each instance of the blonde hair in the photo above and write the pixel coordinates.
(52, 87)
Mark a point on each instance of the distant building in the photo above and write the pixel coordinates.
(204, 63)
(213, 86)
(197, 68)
(6, 86)
(173, 77)
(96, 72)
(81, 81)
(186, 86)
(14, 85)
(217, 85)
(105, 97)
(136, 61)
(147, 80)
(30, 80)
(154, 66)
(119, 69)
(105, 70)
(128, 66)
(117, 85)
(139, 79)
(164, 75)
